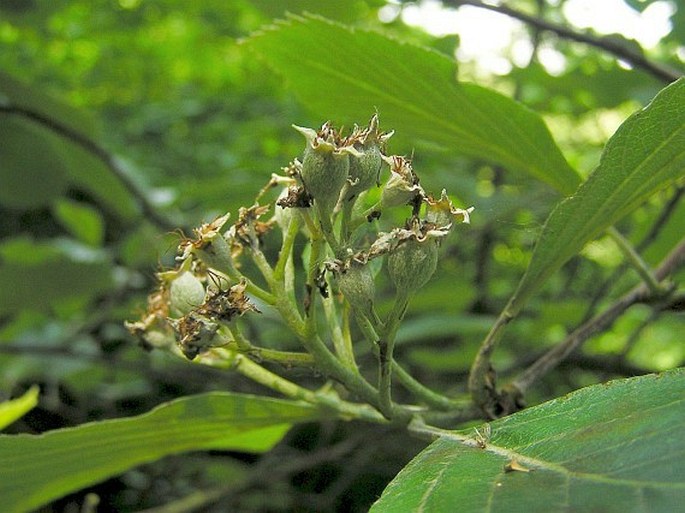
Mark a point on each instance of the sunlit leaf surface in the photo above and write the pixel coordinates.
(345, 74)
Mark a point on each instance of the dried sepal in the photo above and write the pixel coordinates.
(204, 236)
(249, 230)
(194, 333)
(387, 242)
(224, 305)
(152, 330)
(442, 212)
(402, 187)
(295, 196)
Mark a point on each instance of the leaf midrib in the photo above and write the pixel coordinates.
(536, 463)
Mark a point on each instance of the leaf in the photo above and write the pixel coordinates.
(616, 447)
(36, 469)
(17, 408)
(646, 154)
(83, 221)
(16, 93)
(344, 74)
(42, 276)
(343, 11)
(33, 178)
(32, 173)
(90, 174)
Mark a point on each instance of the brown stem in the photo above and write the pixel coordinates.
(639, 294)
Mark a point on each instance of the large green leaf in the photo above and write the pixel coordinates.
(645, 154)
(16, 93)
(616, 447)
(35, 469)
(344, 74)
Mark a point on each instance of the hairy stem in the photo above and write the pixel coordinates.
(260, 375)
(341, 344)
(386, 349)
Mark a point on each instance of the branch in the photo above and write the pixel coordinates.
(639, 294)
(636, 59)
(113, 164)
(650, 237)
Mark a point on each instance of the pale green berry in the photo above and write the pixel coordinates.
(412, 264)
(186, 293)
(364, 170)
(358, 287)
(325, 165)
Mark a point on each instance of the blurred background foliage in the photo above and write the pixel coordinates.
(183, 115)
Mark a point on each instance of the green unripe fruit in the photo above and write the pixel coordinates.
(364, 170)
(325, 166)
(324, 174)
(185, 294)
(412, 264)
(358, 287)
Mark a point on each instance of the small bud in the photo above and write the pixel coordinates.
(403, 185)
(412, 264)
(357, 285)
(325, 165)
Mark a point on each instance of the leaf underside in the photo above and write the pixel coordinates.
(646, 154)
(35, 469)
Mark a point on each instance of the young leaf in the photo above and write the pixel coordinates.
(17, 408)
(343, 73)
(616, 447)
(36, 469)
(645, 154)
